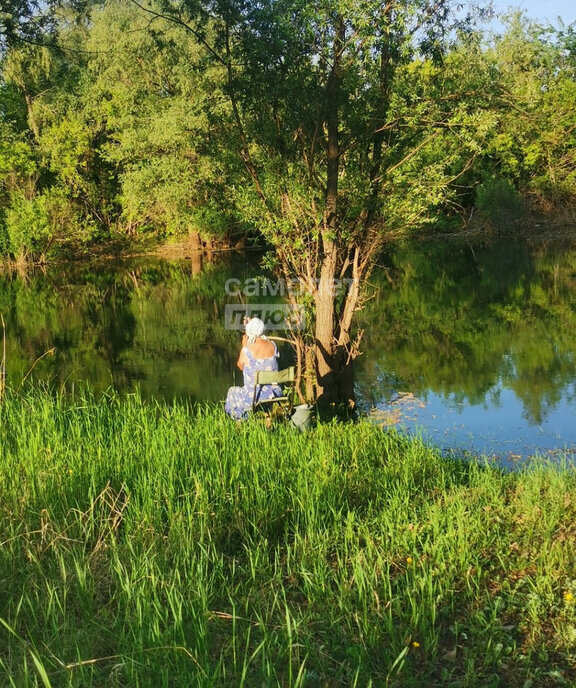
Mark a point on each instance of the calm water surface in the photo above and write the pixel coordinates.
(471, 345)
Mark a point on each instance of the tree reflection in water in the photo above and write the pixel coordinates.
(466, 325)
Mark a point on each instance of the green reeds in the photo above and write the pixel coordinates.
(164, 544)
(3, 359)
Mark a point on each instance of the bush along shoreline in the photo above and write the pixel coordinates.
(156, 544)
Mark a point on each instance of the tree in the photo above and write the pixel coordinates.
(57, 197)
(330, 147)
(33, 21)
(19, 21)
(535, 143)
(153, 97)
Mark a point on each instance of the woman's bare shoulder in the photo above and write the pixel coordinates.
(263, 349)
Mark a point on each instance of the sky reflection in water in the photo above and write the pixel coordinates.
(490, 429)
(473, 347)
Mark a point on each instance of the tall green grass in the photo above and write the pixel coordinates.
(164, 545)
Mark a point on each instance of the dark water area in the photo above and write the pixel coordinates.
(471, 345)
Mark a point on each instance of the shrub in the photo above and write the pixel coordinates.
(498, 201)
(37, 225)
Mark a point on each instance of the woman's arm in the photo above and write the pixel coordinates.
(242, 356)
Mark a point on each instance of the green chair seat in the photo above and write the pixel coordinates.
(283, 377)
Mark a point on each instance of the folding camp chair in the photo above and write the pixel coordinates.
(285, 402)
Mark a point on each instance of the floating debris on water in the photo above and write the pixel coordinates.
(397, 410)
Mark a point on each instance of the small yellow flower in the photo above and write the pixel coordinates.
(415, 643)
(409, 560)
(568, 597)
(70, 471)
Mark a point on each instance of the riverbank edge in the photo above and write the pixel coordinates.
(539, 223)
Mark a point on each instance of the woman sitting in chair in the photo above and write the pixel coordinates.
(257, 353)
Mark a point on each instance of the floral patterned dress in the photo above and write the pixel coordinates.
(239, 399)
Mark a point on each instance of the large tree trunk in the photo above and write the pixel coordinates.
(324, 333)
(335, 352)
(326, 382)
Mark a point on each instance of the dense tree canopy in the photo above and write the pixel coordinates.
(122, 121)
(322, 129)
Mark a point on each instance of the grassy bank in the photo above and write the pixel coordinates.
(145, 545)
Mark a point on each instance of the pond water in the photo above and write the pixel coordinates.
(471, 345)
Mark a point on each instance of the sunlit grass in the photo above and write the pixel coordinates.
(165, 545)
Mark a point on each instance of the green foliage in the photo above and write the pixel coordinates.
(144, 542)
(533, 146)
(34, 225)
(158, 101)
(499, 202)
(133, 119)
(24, 20)
(18, 164)
(28, 225)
